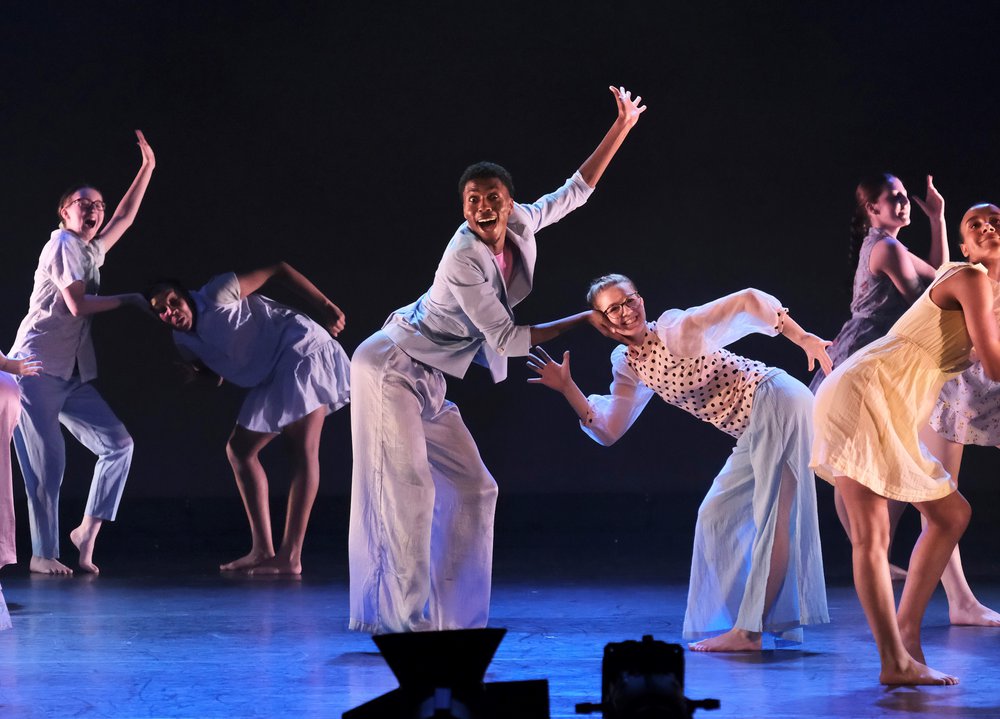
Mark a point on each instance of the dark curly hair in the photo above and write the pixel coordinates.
(485, 171)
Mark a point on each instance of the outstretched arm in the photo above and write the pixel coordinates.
(124, 214)
(551, 330)
(933, 207)
(81, 304)
(329, 315)
(558, 377)
(629, 110)
(603, 418)
(813, 346)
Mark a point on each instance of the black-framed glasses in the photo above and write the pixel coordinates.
(86, 204)
(631, 301)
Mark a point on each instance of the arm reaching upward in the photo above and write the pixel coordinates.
(124, 214)
(629, 110)
(933, 207)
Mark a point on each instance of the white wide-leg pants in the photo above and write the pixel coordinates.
(422, 501)
(735, 531)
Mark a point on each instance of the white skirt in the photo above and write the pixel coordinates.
(298, 385)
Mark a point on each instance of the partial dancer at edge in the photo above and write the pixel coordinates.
(868, 416)
(10, 411)
(422, 501)
(757, 564)
(297, 375)
(57, 329)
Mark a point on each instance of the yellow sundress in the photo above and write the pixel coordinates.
(869, 410)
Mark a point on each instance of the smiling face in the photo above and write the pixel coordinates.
(981, 234)
(83, 213)
(891, 210)
(486, 205)
(173, 309)
(625, 310)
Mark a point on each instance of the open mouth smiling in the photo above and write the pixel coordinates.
(486, 224)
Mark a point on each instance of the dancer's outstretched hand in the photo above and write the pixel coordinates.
(550, 373)
(148, 158)
(815, 349)
(933, 204)
(629, 109)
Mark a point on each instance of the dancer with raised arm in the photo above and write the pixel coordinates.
(10, 411)
(422, 501)
(297, 375)
(757, 565)
(869, 413)
(57, 329)
(887, 278)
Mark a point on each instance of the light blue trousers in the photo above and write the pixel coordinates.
(422, 501)
(735, 532)
(47, 402)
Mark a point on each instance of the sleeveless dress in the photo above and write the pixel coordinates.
(875, 305)
(968, 408)
(869, 410)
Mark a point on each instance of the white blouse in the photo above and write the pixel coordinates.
(682, 359)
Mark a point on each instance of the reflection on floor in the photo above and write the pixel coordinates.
(221, 647)
(176, 639)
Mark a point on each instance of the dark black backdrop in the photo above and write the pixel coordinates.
(331, 135)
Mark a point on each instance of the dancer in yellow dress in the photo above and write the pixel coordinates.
(867, 418)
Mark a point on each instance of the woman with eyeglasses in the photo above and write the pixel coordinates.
(757, 565)
(57, 330)
(10, 411)
(296, 374)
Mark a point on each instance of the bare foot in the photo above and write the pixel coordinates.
(974, 615)
(276, 565)
(896, 573)
(84, 537)
(248, 561)
(735, 640)
(915, 673)
(43, 565)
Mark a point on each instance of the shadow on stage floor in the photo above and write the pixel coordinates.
(162, 634)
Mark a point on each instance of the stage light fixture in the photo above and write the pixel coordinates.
(644, 680)
(441, 677)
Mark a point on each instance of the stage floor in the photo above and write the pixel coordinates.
(215, 646)
(162, 634)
